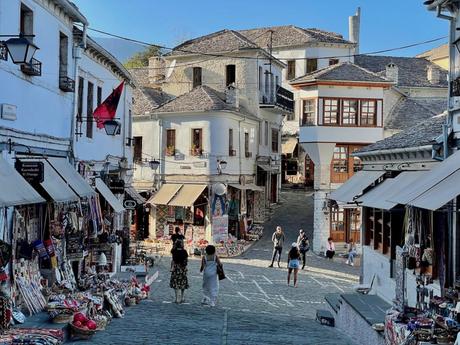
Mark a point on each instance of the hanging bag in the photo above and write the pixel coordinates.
(220, 270)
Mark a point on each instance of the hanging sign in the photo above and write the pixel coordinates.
(129, 204)
(31, 171)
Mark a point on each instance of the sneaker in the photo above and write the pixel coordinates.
(279, 265)
(352, 264)
(270, 265)
(347, 262)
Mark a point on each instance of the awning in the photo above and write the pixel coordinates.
(187, 195)
(428, 180)
(165, 194)
(268, 167)
(355, 185)
(55, 186)
(288, 147)
(72, 177)
(135, 195)
(15, 190)
(109, 196)
(249, 186)
(440, 194)
(379, 196)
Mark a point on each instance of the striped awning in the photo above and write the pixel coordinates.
(165, 194)
(187, 195)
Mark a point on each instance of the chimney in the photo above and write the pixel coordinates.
(391, 72)
(433, 75)
(156, 69)
(232, 96)
(353, 28)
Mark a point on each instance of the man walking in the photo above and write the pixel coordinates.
(278, 240)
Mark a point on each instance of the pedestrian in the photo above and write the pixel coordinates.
(293, 263)
(351, 252)
(304, 246)
(179, 280)
(209, 263)
(278, 241)
(177, 235)
(330, 249)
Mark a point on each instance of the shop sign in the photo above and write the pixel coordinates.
(220, 228)
(129, 204)
(31, 171)
(117, 186)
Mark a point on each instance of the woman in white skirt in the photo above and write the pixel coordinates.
(209, 263)
(293, 263)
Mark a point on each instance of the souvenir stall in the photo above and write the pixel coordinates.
(421, 269)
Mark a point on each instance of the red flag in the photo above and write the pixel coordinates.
(107, 109)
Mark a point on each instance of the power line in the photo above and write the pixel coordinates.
(257, 58)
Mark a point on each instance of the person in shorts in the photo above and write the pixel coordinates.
(293, 263)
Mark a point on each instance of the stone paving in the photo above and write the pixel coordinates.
(255, 304)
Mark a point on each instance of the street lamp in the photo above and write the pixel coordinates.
(20, 49)
(111, 127)
(154, 164)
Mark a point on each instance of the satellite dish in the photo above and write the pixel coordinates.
(170, 69)
(219, 188)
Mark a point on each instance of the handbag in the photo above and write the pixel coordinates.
(220, 272)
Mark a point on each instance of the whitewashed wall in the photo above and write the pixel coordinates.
(42, 108)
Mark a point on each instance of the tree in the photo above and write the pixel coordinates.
(141, 59)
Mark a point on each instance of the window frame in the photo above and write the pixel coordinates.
(246, 144)
(311, 65)
(137, 151)
(80, 93)
(197, 150)
(275, 140)
(197, 72)
(361, 113)
(291, 69)
(26, 21)
(342, 112)
(89, 110)
(337, 112)
(170, 142)
(230, 76)
(63, 54)
(266, 133)
(313, 112)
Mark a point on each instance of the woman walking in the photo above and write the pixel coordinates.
(209, 263)
(179, 280)
(293, 263)
(304, 245)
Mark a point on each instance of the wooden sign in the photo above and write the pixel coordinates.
(33, 172)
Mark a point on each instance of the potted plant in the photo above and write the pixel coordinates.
(170, 150)
(196, 150)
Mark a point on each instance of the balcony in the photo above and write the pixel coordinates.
(33, 68)
(283, 99)
(66, 84)
(3, 52)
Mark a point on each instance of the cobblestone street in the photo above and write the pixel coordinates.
(255, 307)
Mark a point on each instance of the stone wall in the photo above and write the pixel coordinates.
(320, 222)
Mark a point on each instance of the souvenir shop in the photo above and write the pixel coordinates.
(184, 206)
(57, 251)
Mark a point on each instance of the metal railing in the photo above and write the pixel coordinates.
(33, 68)
(283, 99)
(66, 84)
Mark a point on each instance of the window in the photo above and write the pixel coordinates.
(89, 111)
(312, 65)
(63, 54)
(349, 112)
(260, 78)
(81, 85)
(266, 133)
(196, 76)
(357, 163)
(308, 112)
(343, 164)
(333, 62)
(197, 143)
(291, 69)
(99, 95)
(230, 74)
(246, 145)
(267, 82)
(368, 112)
(27, 22)
(170, 142)
(331, 112)
(337, 219)
(340, 159)
(137, 149)
(275, 140)
(231, 150)
(272, 87)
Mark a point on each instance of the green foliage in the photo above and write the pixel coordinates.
(141, 59)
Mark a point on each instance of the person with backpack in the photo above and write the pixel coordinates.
(278, 241)
(304, 246)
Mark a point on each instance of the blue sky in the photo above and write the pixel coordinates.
(384, 24)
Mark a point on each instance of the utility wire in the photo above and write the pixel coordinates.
(258, 58)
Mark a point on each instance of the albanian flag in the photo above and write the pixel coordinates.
(107, 109)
